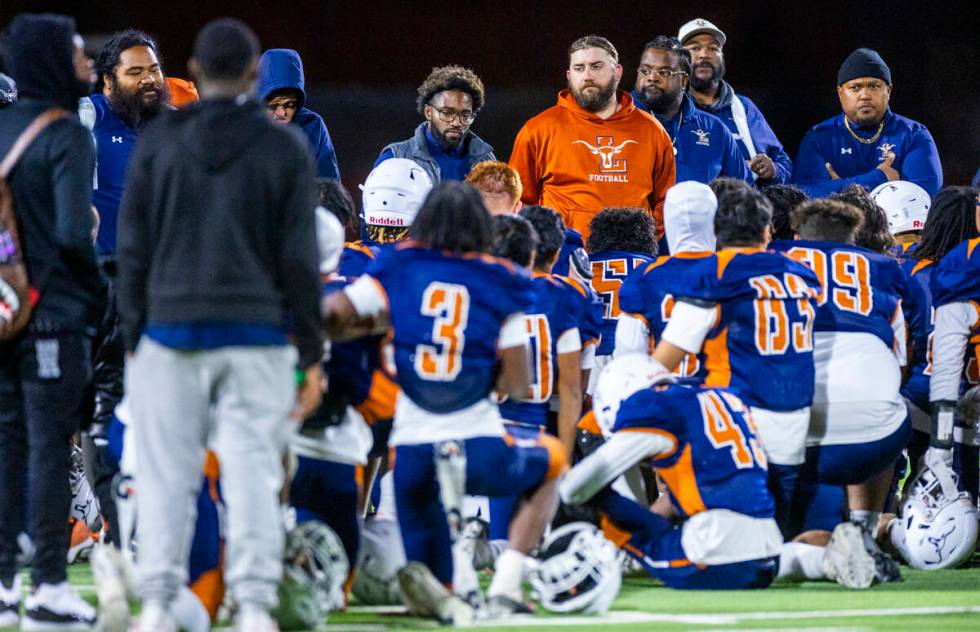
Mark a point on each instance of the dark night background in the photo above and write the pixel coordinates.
(363, 60)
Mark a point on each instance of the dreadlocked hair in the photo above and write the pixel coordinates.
(626, 229)
(951, 220)
(388, 234)
(874, 233)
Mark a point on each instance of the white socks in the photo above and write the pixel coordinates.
(508, 573)
(867, 519)
(801, 561)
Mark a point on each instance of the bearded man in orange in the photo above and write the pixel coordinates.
(594, 149)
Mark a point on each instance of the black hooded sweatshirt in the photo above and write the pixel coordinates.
(52, 182)
(217, 225)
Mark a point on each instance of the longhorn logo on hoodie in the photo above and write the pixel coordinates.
(607, 151)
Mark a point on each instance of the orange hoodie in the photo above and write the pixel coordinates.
(578, 164)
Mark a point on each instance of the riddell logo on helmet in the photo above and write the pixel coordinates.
(386, 221)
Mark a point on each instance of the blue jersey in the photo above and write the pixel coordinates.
(554, 312)
(761, 344)
(957, 280)
(356, 258)
(573, 241)
(916, 157)
(717, 461)
(705, 148)
(446, 313)
(587, 308)
(921, 320)
(114, 142)
(644, 296)
(861, 290)
(609, 271)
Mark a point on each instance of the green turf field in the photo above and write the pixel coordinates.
(944, 600)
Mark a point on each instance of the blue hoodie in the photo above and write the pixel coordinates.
(763, 138)
(705, 149)
(281, 68)
(916, 158)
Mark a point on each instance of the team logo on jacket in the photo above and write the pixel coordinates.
(117, 139)
(703, 137)
(606, 149)
(846, 150)
(885, 149)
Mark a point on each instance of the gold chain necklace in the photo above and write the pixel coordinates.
(866, 141)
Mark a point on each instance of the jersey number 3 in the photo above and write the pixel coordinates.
(449, 305)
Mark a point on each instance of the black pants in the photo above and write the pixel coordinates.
(43, 380)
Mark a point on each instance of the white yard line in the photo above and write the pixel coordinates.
(625, 617)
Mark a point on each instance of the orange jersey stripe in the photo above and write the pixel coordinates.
(683, 484)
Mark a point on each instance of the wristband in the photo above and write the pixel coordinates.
(300, 377)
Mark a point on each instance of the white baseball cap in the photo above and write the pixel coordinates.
(698, 26)
(906, 205)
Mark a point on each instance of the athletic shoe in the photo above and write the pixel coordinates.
(255, 619)
(84, 505)
(110, 582)
(846, 560)
(82, 542)
(426, 597)
(503, 607)
(476, 536)
(154, 618)
(886, 568)
(10, 603)
(57, 607)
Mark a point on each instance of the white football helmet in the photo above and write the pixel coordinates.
(578, 570)
(393, 193)
(314, 573)
(906, 205)
(622, 377)
(380, 556)
(937, 525)
(330, 240)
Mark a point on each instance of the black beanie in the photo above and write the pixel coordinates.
(863, 62)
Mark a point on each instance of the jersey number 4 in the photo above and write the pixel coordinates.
(724, 432)
(449, 305)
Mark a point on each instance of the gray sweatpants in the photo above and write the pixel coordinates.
(237, 400)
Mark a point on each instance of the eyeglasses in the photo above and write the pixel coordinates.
(663, 73)
(447, 115)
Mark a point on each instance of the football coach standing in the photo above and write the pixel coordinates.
(218, 290)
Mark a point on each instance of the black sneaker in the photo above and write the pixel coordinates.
(57, 607)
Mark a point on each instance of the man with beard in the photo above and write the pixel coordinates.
(443, 145)
(868, 144)
(133, 93)
(594, 149)
(703, 147)
(770, 164)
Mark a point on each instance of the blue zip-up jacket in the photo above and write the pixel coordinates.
(281, 68)
(114, 142)
(705, 148)
(916, 158)
(763, 137)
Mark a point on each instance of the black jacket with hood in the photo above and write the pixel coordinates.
(52, 183)
(217, 225)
